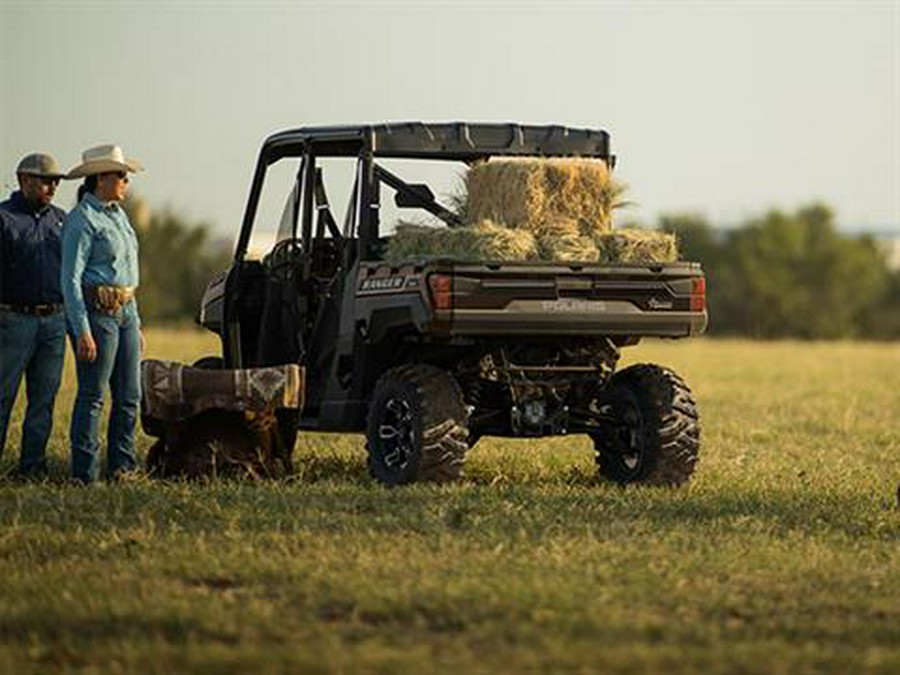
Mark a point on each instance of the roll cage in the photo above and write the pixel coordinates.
(460, 141)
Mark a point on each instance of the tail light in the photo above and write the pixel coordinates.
(441, 286)
(698, 294)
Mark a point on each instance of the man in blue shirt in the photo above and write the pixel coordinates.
(32, 323)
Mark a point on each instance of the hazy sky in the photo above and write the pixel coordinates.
(726, 108)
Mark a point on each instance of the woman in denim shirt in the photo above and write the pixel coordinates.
(99, 276)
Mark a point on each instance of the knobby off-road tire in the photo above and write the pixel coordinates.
(654, 434)
(417, 427)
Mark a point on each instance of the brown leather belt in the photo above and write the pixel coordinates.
(108, 299)
(35, 310)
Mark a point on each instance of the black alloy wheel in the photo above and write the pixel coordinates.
(650, 430)
(417, 427)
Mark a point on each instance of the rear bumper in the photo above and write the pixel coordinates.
(572, 318)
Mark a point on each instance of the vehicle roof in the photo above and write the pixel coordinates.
(465, 141)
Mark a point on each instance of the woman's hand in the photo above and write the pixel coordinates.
(87, 348)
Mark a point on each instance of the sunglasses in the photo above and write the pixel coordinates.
(48, 180)
(121, 175)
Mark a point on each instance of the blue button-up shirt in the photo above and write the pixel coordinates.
(99, 248)
(29, 252)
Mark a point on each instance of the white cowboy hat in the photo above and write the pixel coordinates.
(104, 159)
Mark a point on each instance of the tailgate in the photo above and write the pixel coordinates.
(576, 299)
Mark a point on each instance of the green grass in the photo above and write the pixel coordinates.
(782, 556)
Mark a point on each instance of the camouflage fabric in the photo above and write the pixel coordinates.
(173, 391)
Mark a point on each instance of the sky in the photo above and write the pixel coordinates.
(725, 108)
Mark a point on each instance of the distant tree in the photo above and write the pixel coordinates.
(883, 320)
(699, 242)
(791, 275)
(177, 261)
(795, 275)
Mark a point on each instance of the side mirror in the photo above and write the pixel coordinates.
(414, 196)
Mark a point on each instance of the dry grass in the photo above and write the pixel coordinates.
(781, 556)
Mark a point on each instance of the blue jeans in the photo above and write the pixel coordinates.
(34, 346)
(117, 365)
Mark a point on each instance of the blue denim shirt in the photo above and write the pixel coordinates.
(29, 252)
(99, 248)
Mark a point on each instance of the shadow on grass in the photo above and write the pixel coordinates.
(71, 633)
(596, 510)
(332, 491)
(783, 510)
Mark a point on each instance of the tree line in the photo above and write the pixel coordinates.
(779, 275)
(792, 275)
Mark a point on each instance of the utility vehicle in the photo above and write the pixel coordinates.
(425, 356)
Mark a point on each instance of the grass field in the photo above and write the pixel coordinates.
(782, 556)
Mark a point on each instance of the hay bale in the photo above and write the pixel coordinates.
(636, 246)
(537, 193)
(495, 242)
(489, 241)
(483, 241)
(559, 227)
(568, 248)
(508, 192)
(414, 241)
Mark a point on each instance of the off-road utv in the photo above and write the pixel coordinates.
(426, 356)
